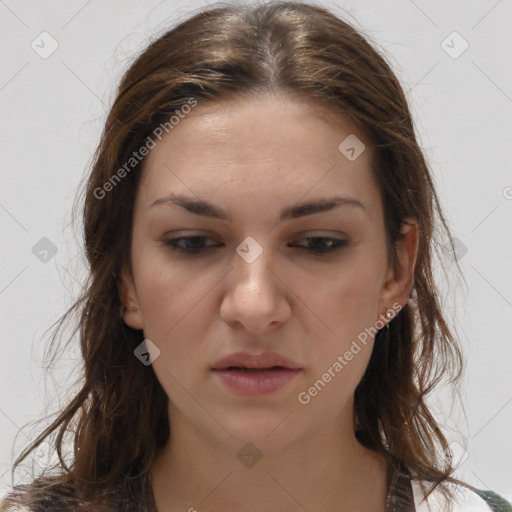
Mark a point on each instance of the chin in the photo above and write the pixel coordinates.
(269, 432)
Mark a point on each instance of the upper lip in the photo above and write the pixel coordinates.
(247, 360)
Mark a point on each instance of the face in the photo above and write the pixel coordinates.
(242, 275)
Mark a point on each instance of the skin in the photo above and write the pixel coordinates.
(254, 157)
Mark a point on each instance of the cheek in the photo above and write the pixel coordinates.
(349, 300)
(177, 311)
(347, 307)
(173, 319)
(161, 285)
(167, 301)
(175, 307)
(340, 356)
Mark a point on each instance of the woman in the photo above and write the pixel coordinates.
(261, 327)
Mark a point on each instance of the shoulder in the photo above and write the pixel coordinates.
(466, 498)
(53, 494)
(41, 494)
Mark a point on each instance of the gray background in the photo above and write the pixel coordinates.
(51, 115)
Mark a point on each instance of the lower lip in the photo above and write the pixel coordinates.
(261, 382)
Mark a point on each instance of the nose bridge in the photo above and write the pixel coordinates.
(254, 296)
(252, 268)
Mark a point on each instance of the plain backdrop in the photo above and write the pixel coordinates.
(454, 62)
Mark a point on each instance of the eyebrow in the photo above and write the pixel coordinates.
(295, 211)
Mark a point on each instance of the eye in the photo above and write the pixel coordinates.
(195, 244)
(321, 244)
(192, 244)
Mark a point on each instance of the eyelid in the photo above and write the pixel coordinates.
(303, 234)
(336, 244)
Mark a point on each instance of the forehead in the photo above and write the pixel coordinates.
(271, 145)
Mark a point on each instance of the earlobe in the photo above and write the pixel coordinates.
(130, 305)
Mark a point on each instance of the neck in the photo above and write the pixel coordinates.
(326, 470)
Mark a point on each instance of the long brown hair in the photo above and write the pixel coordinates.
(119, 416)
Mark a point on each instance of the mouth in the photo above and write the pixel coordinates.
(245, 361)
(253, 382)
(251, 370)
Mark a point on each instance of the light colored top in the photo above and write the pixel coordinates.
(465, 500)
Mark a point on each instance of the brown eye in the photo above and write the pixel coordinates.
(321, 245)
(188, 244)
(195, 244)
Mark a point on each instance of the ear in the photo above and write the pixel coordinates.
(400, 281)
(131, 312)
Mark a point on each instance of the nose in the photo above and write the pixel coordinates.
(256, 296)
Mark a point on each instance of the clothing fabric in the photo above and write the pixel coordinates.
(469, 499)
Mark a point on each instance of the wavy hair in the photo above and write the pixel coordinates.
(118, 418)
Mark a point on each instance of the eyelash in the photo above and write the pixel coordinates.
(338, 244)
